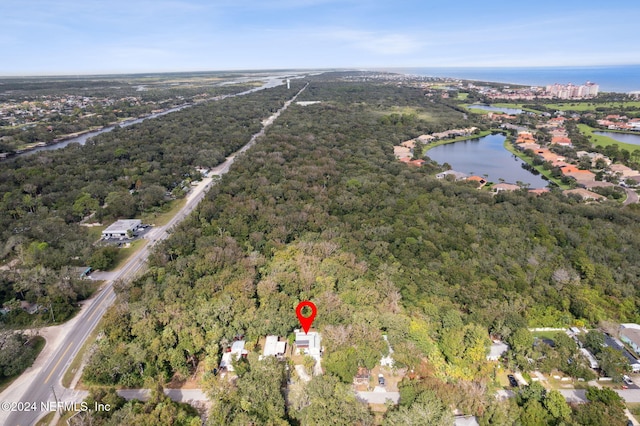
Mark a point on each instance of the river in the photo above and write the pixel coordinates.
(621, 137)
(486, 156)
(269, 82)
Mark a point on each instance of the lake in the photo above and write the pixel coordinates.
(486, 156)
(621, 137)
(510, 111)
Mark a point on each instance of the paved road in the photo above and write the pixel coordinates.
(46, 385)
(632, 196)
(378, 397)
(178, 395)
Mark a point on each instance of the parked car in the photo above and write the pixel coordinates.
(512, 380)
(381, 380)
(627, 379)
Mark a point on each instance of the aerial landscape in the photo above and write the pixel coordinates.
(319, 212)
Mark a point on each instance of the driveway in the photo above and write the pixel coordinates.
(378, 397)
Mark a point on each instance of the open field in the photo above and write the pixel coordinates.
(604, 140)
(418, 112)
(573, 105)
(462, 96)
(125, 253)
(169, 210)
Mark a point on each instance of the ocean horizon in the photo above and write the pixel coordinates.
(610, 78)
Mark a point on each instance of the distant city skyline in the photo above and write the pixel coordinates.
(48, 37)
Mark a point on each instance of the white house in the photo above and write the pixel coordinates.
(309, 343)
(497, 349)
(236, 351)
(122, 228)
(273, 347)
(593, 362)
(630, 334)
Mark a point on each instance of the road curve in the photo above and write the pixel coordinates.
(46, 386)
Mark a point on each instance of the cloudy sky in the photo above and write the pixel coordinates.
(110, 36)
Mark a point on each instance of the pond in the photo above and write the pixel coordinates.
(486, 156)
(496, 109)
(621, 137)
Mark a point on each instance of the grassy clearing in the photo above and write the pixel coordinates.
(462, 96)
(418, 112)
(604, 140)
(547, 173)
(125, 253)
(545, 334)
(39, 344)
(515, 106)
(574, 105)
(164, 215)
(46, 420)
(591, 106)
(481, 111)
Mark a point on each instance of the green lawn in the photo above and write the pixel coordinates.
(573, 105)
(165, 214)
(591, 106)
(604, 140)
(547, 173)
(125, 253)
(516, 106)
(462, 96)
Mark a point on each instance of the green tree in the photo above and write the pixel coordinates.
(428, 409)
(613, 363)
(343, 363)
(327, 401)
(85, 204)
(557, 406)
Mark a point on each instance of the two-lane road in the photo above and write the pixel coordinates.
(46, 385)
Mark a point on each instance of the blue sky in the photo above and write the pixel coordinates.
(111, 36)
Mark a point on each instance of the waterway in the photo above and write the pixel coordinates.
(486, 156)
(497, 109)
(271, 81)
(621, 137)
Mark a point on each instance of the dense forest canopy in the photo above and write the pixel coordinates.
(320, 209)
(119, 174)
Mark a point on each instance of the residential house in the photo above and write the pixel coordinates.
(274, 347)
(630, 334)
(625, 172)
(456, 175)
(309, 343)
(362, 376)
(538, 191)
(585, 194)
(402, 152)
(593, 362)
(497, 349)
(480, 180)
(235, 352)
(500, 187)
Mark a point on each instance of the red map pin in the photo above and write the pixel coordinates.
(306, 321)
